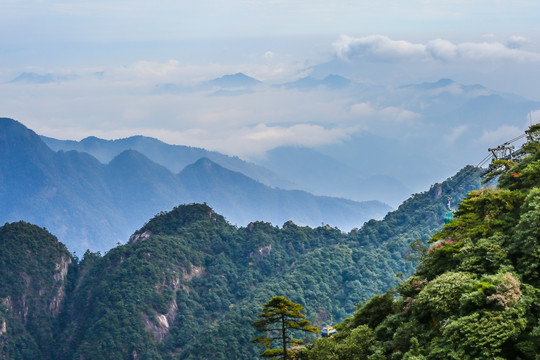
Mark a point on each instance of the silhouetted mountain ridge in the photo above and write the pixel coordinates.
(93, 205)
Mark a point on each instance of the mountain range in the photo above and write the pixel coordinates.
(93, 205)
(188, 284)
(419, 132)
(173, 157)
(390, 140)
(289, 168)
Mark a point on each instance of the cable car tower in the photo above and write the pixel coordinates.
(449, 215)
(502, 152)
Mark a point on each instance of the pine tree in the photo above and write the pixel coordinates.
(280, 317)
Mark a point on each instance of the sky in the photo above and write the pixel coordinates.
(97, 66)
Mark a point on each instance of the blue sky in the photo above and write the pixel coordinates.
(106, 57)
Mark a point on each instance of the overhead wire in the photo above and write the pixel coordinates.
(466, 176)
(463, 178)
(515, 139)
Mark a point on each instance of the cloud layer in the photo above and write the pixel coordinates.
(174, 100)
(383, 48)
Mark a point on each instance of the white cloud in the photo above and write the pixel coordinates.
(268, 137)
(516, 42)
(455, 134)
(380, 47)
(454, 89)
(274, 69)
(390, 113)
(399, 115)
(377, 47)
(121, 104)
(494, 51)
(442, 49)
(155, 70)
(251, 142)
(362, 109)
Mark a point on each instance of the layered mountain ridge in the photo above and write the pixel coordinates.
(189, 284)
(93, 205)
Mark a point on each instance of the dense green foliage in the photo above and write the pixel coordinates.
(476, 291)
(189, 284)
(280, 320)
(33, 273)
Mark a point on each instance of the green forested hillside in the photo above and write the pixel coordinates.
(189, 284)
(237, 194)
(33, 274)
(475, 293)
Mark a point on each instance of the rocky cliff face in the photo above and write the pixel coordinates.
(33, 287)
(60, 278)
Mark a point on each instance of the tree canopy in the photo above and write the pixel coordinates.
(476, 291)
(188, 284)
(280, 319)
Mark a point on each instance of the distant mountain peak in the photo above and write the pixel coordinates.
(130, 154)
(14, 136)
(133, 159)
(235, 80)
(171, 222)
(444, 82)
(209, 167)
(34, 78)
(336, 81)
(92, 140)
(204, 161)
(4, 121)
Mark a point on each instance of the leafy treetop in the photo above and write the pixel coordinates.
(280, 317)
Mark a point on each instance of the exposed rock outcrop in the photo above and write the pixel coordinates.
(60, 276)
(139, 237)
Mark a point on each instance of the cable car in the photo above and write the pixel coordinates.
(328, 331)
(449, 216)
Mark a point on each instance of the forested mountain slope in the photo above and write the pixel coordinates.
(33, 278)
(476, 291)
(189, 284)
(173, 157)
(234, 193)
(90, 205)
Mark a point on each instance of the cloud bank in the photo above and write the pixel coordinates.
(383, 48)
(166, 99)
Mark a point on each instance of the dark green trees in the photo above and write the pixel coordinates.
(34, 280)
(189, 283)
(280, 318)
(475, 293)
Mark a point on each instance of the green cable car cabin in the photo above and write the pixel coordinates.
(449, 216)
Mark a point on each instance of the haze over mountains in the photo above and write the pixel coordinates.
(208, 125)
(285, 167)
(93, 205)
(415, 135)
(173, 157)
(374, 142)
